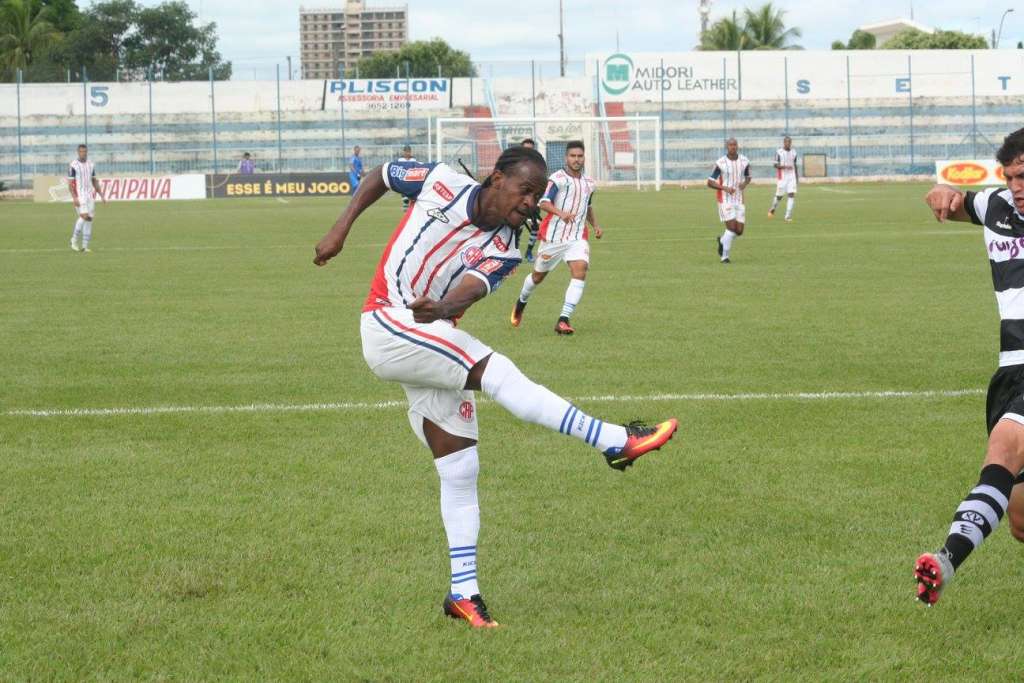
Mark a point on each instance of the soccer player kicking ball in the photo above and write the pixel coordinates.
(785, 178)
(455, 245)
(1001, 212)
(730, 177)
(84, 189)
(568, 201)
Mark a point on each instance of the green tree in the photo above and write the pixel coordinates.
(426, 59)
(100, 42)
(725, 35)
(64, 14)
(860, 40)
(766, 29)
(168, 40)
(25, 34)
(912, 39)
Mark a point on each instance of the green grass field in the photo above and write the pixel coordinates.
(773, 538)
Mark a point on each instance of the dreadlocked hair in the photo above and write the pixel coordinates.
(512, 157)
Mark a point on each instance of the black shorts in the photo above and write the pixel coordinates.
(1005, 394)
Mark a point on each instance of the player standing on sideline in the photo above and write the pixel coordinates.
(406, 156)
(246, 166)
(1001, 212)
(454, 246)
(355, 169)
(563, 235)
(730, 177)
(785, 178)
(84, 188)
(533, 222)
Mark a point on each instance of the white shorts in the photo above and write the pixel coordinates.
(86, 207)
(784, 186)
(431, 361)
(732, 212)
(551, 254)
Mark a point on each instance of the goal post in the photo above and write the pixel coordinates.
(620, 150)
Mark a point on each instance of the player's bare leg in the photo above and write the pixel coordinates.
(573, 294)
(978, 514)
(733, 229)
(532, 280)
(621, 445)
(1015, 511)
(458, 465)
(789, 207)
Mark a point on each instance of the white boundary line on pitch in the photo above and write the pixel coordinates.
(385, 405)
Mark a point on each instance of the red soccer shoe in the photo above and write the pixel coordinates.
(471, 609)
(640, 439)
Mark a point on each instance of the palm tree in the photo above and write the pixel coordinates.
(725, 35)
(766, 29)
(25, 31)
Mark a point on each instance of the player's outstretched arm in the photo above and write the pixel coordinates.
(947, 203)
(369, 192)
(470, 290)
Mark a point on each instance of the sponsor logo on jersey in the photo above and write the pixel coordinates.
(965, 173)
(472, 256)
(466, 411)
(409, 175)
(438, 215)
(499, 244)
(442, 190)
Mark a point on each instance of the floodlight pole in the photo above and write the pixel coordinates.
(561, 38)
(999, 33)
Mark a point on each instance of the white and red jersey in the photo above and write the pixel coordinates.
(568, 194)
(82, 173)
(731, 173)
(436, 243)
(786, 160)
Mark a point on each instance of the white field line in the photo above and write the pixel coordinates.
(759, 236)
(387, 405)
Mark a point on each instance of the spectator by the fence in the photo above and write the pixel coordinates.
(247, 166)
(355, 168)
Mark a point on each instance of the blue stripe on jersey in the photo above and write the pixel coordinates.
(425, 345)
(405, 256)
(460, 269)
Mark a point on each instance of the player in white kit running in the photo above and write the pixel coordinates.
(457, 242)
(84, 189)
(568, 201)
(730, 177)
(785, 178)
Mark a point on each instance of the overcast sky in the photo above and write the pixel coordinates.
(268, 30)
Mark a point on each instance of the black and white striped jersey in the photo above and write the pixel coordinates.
(1004, 240)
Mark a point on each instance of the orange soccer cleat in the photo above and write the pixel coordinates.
(640, 439)
(517, 313)
(471, 609)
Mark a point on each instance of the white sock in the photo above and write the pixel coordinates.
(528, 401)
(460, 512)
(528, 286)
(775, 203)
(86, 233)
(727, 237)
(789, 207)
(573, 294)
(77, 234)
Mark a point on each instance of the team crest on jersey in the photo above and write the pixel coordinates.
(466, 411)
(472, 256)
(442, 190)
(499, 244)
(438, 215)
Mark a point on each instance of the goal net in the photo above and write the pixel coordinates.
(621, 150)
